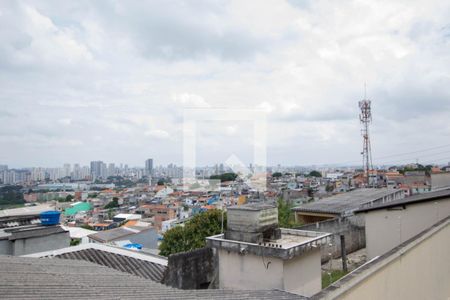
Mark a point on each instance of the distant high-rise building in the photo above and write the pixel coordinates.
(111, 170)
(98, 169)
(149, 167)
(66, 170)
(76, 174)
(3, 167)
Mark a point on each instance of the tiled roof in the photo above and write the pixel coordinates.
(43, 278)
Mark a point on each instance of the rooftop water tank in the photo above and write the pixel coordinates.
(50, 217)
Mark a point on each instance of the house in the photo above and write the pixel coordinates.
(418, 268)
(343, 205)
(78, 233)
(254, 253)
(398, 221)
(159, 212)
(104, 226)
(147, 237)
(126, 217)
(440, 180)
(25, 234)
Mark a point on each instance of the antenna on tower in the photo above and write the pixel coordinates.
(365, 117)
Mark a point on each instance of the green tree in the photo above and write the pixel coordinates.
(329, 188)
(75, 242)
(315, 174)
(286, 217)
(310, 192)
(86, 226)
(110, 213)
(69, 198)
(113, 203)
(11, 194)
(224, 177)
(277, 175)
(192, 235)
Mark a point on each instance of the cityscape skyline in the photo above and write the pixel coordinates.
(77, 100)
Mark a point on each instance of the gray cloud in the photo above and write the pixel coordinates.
(109, 80)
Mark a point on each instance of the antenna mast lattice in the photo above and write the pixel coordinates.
(365, 117)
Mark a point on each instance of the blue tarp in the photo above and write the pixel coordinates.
(133, 246)
(213, 199)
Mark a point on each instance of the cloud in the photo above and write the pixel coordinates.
(157, 133)
(102, 79)
(187, 100)
(65, 121)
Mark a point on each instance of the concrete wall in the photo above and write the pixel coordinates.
(5, 247)
(388, 228)
(440, 180)
(351, 227)
(300, 275)
(40, 244)
(191, 270)
(421, 272)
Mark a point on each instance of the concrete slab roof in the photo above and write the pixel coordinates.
(116, 233)
(17, 233)
(430, 196)
(293, 242)
(345, 202)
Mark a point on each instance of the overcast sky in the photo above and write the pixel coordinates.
(109, 80)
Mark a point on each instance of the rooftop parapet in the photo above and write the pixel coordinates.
(291, 243)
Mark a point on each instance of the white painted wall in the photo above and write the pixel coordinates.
(422, 272)
(388, 228)
(300, 275)
(40, 244)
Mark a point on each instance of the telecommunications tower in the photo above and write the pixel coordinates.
(365, 117)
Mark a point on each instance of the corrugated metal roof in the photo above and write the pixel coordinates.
(43, 278)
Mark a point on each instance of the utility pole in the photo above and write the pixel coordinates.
(343, 254)
(365, 118)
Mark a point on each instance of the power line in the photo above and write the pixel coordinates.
(395, 155)
(413, 152)
(414, 157)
